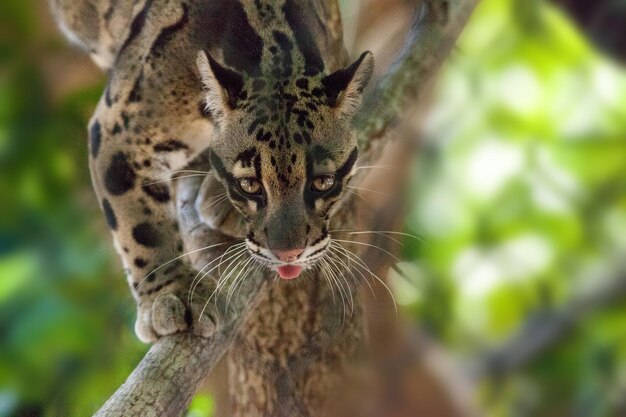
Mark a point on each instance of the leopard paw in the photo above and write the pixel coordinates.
(167, 314)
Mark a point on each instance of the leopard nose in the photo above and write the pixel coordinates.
(288, 255)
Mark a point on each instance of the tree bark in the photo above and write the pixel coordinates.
(168, 376)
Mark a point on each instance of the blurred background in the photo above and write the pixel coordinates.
(518, 275)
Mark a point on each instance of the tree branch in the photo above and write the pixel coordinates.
(168, 376)
(436, 26)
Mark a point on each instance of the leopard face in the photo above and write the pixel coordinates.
(284, 149)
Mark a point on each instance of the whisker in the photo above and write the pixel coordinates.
(386, 167)
(179, 257)
(390, 232)
(195, 171)
(339, 275)
(332, 289)
(356, 242)
(170, 179)
(238, 279)
(369, 190)
(340, 288)
(232, 287)
(361, 197)
(336, 250)
(380, 232)
(361, 263)
(195, 282)
(214, 200)
(223, 278)
(219, 286)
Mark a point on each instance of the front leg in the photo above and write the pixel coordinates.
(130, 174)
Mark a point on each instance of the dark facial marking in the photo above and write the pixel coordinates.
(119, 177)
(246, 157)
(109, 214)
(95, 136)
(158, 192)
(235, 192)
(140, 262)
(147, 235)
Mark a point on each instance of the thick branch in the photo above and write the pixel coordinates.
(435, 29)
(168, 376)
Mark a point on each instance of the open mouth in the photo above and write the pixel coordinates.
(289, 271)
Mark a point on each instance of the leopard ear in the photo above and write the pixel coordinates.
(344, 87)
(222, 85)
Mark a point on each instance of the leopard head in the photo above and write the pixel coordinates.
(284, 149)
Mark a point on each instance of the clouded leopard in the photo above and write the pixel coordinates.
(250, 84)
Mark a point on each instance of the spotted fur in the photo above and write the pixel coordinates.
(248, 81)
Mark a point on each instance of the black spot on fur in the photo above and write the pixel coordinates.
(95, 137)
(147, 235)
(296, 17)
(107, 95)
(117, 129)
(285, 45)
(171, 145)
(119, 177)
(125, 120)
(137, 25)
(258, 85)
(303, 83)
(109, 214)
(159, 192)
(135, 94)
(167, 34)
(242, 47)
(317, 92)
(140, 262)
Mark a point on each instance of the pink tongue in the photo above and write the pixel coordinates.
(289, 271)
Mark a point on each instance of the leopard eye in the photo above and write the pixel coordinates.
(250, 185)
(323, 183)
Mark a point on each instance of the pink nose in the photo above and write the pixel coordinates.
(288, 255)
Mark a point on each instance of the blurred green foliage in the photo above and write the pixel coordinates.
(519, 199)
(65, 314)
(521, 203)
